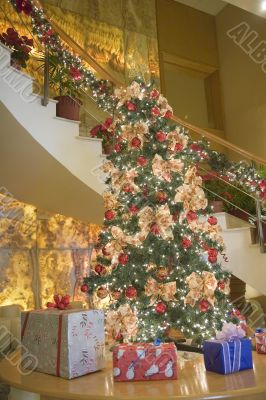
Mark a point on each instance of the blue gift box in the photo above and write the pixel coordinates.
(227, 357)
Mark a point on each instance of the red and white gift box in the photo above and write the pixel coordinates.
(68, 343)
(261, 342)
(144, 362)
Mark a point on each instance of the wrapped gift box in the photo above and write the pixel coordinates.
(260, 337)
(144, 362)
(227, 357)
(67, 343)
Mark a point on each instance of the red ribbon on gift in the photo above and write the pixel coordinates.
(59, 338)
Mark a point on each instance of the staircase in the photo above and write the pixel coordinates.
(245, 260)
(74, 159)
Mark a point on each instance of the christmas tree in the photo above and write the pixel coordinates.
(158, 253)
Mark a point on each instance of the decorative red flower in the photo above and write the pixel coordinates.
(228, 196)
(192, 216)
(142, 161)
(24, 5)
(204, 305)
(109, 215)
(160, 136)
(107, 123)
(123, 258)
(75, 74)
(131, 292)
(155, 111)
(131, 106)
(212, 220)
(196, 147)
(95, 130)
(154, 94)
(262, 185)
(186, 243)
(160, 308)
(136, 142)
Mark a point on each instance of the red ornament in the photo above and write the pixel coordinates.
(109, 215)
(204, 305)
(127, 189)
(84, 288)
(160, 307)
(136, 142)
(191, 216)
(155, 229)
(212, 255)
(133, 209)
(186, 243)
(212, 220)
(117, 147)
(123, 258)
(99, 268)
(131, 106)
(196, 147)
(161, 196)
(142, 161)
(155, 111)
(178, 147)
(221, 285)
(160, 136)
(154, 94)
(131, 292)
(116, 294)
(168, 114)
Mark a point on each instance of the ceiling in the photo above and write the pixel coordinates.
(213, 7)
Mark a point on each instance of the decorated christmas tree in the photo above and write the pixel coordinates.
(157, 263)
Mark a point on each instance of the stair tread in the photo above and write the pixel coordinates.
(68, 120)
(89, 138)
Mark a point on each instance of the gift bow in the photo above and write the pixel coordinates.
(161, 217)
(165, 291)
(202, 286)
(60, 302)
(230, 332)
(163, 168)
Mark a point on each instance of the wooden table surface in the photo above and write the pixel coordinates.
(193, 383)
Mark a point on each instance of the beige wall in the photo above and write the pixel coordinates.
(188, 55)
(243, 83)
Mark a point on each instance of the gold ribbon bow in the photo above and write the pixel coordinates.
(161, 217)
(122, 321)
(139, 130)
(190, 193)
(200, 287)
(155, 290)
(174, 138)
(163, 169)
(120, 179)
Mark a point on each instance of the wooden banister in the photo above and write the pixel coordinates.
(104, 74)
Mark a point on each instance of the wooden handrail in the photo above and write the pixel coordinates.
(106, 75)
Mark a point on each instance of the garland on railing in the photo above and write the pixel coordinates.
(102, 90)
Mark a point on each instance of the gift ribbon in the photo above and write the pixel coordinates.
(59, 338)
(231, 365)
